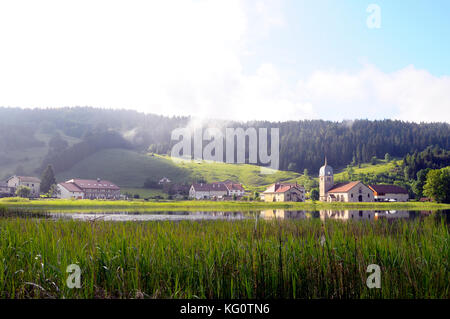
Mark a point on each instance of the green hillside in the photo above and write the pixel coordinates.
(29, 159)
(382, 167)
(130, 169)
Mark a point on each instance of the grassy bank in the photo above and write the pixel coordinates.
(62, 205)
(270, 259)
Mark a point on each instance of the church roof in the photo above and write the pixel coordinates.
(343, 187)
(326, 170)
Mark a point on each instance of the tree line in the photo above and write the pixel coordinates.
(303, 144)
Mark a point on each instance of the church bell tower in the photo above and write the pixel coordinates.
(326, 180)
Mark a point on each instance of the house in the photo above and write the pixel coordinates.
(280, 192)
(96, 189)
(354, 191)
(234, 188)
(32, 182)
(5, 190)
(208, 191)
(164, 180)
(70, 191)
(389, 193)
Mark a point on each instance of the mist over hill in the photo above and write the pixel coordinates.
(32, 138)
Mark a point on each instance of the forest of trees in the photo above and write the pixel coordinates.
(303, 144)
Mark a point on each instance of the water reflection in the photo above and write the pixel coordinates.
(281, 214)
(343, 214)
(154, 216)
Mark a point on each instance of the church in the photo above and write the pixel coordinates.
(342, 192)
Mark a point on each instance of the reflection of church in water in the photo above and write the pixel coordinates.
(336, 214)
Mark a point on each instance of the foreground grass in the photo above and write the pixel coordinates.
(91, 205)
(223, 259)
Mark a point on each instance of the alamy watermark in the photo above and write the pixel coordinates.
(374, 19)
(190, 146)
(374, 279)
(74, 279)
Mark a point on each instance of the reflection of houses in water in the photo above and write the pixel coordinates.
(237, 215)
(347, 214)
(364, 215)
(394, 214)
(284, 214)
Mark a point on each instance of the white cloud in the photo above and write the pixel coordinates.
(407, 94)
(185, 58)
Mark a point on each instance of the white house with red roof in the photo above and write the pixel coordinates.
(90, 189)
(70, 191)
(234, 188)
(283, 192)
(208, 191)
(394, 193)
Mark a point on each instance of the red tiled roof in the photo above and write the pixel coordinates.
(71, 187)
(343, 187)
(234, 186)
(281, 188)
(93, 184)
(27, 179)
(391, 189)
(217, 187)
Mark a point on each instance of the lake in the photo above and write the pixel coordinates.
(270, 214)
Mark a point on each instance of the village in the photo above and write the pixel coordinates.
(99, 189)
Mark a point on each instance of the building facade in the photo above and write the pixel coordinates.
(96, 189)
(389, 193)
(354, 191)
(234, 188)
(208, 191)
(5, 190)
(69, 191)
(32, 182)
(280, 192)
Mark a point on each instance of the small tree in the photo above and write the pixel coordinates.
(314, 194)
(387, 157)
(373, 160)
(54, 191)
(350, 171)
(23, 191)
(256, 195)
(47, 179)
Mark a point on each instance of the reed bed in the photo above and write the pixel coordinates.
(225, 259)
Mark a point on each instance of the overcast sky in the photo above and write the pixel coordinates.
(240, 60)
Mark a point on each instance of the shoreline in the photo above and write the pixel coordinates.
(64, 205)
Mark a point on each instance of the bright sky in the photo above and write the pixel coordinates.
(241, 60)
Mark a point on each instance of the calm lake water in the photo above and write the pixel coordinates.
(345, 215)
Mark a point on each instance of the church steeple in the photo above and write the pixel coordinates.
(326, 180)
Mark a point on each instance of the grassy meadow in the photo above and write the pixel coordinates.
(130, 169)
(223, 259)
